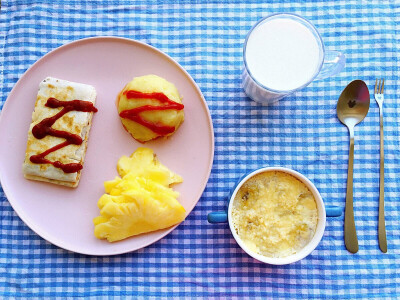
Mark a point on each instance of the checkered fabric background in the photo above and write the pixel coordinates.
(302, 132)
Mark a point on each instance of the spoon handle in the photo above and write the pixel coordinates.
(381, 221)
(350, 235)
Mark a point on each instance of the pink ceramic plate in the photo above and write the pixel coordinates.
(63, 216)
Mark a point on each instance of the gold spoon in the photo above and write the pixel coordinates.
(352, 107)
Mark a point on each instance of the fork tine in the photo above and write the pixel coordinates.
(383, 84)
(376, 84)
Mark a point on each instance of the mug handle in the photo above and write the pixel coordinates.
(334, 62)
(333, 211)
(222, 216)
(217, 217)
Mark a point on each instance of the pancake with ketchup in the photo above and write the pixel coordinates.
(150, 107)
(58, 134)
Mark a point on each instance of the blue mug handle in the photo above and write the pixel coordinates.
(222, 216)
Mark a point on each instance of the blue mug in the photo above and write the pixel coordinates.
(323, 212)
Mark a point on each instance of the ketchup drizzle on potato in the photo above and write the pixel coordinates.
(134, 114)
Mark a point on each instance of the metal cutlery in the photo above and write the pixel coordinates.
(379, 87)
(352, 107)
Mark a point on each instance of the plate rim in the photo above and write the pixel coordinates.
(24, 217)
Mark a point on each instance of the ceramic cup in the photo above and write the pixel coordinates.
(282, 54)
(323, 212)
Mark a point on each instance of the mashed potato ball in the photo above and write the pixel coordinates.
(150, 107)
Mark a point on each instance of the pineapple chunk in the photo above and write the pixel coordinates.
(143, 162)
(142, 157)
(110, 185)
(139, 201)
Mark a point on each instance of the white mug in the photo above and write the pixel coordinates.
(323, 212)
(282, 54)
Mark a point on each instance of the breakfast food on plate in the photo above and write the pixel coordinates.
(150, 107)
(274, 214)
(58, 134)
(139, 201)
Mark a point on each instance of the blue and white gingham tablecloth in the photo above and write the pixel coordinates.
(199, 260)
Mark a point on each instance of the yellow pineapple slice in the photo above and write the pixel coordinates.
(110, 185)
(140, 201)
(144, 163)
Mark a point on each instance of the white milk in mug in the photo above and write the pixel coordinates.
(282, 54)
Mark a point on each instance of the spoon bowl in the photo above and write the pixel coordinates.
(353, 103)
(352, 108)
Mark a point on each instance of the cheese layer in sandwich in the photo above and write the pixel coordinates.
(76, 122)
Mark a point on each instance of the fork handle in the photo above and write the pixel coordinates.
(350, 235)
(381, 220)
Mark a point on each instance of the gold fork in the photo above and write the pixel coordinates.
(379, 86)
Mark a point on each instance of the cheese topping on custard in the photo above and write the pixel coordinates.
(274, 214)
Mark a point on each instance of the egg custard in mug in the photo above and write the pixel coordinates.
(274, 214)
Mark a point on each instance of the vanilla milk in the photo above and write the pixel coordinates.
(283, 54)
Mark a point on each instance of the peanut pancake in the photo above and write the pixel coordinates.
(58, 134)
